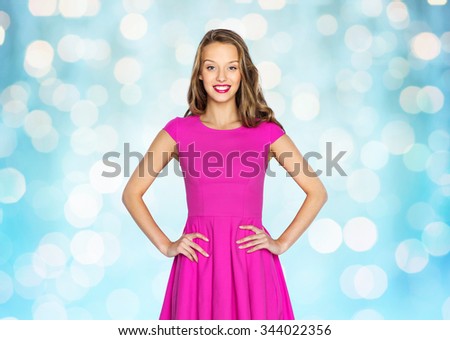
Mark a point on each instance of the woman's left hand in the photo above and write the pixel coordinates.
(261, 240)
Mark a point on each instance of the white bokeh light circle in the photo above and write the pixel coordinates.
(86, 275)
(13, 185)
(363, 282)
(49, 261)
(358, 38)
(133, 26)
(437, 167)
(363, 185)
(127, 70)
(255, 26)
(84, 113)
(68, 288)
(185, 53)
(426, 46)
(37, 123)
(372, 8)
(411, 256)
(84, 141)
(276, 101)
(42, 8)
(2, 35)
(46, 143)
(39, 55)
(430, 99)
(398, 15)
(282, 42)
(327, 24)
(270, 74)
(14, 113)
(347, 283)
(137, 6)
(360, 234)
(83, 206)
(71, 48)
(416, 157)
(361, 60)
(52, 309)
(398, 136)
(439, 140)
(178, 88)
(370, 282)
(131, 94)
(112, 244)
(9, 141)
(305, 106)
(446, 309)
(64, 96)
(325, 236)
(6, 245)
(374, 155)
(107, 138)
(445, 41)
(28, 282)
(87, 247)
(272, 4)
(436, 238)
(361, 81)
(6, 287)
(5, 20)
(399, 67)
(408, 99)
(97, 94)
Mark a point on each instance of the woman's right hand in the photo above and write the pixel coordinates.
(184, 245)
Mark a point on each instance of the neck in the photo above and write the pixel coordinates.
(221, 114)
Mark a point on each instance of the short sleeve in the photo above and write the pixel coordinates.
(172, 128)
(275, 132)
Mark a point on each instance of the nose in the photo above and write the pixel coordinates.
(221, 75)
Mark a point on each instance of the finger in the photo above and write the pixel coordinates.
(250, 244)
(247, 238)
(253, 228)
(185, 253)
(258, 247)
(191, 252)
(199, 235)
(246, 226)
(198, 248)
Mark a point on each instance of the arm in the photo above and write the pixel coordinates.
(287, 155)
(159, 154)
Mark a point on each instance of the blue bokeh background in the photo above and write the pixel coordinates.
(79, 79)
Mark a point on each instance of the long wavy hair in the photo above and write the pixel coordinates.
(250, 101)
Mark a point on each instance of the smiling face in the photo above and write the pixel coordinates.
(220, 72)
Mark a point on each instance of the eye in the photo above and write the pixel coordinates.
(233, 67)
(208, 67)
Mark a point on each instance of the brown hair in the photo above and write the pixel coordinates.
(252, 106)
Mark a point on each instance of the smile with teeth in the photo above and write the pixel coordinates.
(222, 88)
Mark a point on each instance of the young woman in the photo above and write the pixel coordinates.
(226, 263)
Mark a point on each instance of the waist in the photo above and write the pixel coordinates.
(224, 220)
(234, 199)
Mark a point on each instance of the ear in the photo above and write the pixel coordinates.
(200, 77)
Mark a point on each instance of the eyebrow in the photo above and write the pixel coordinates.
(233, 61)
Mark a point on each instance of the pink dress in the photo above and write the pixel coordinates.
(224, 172)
